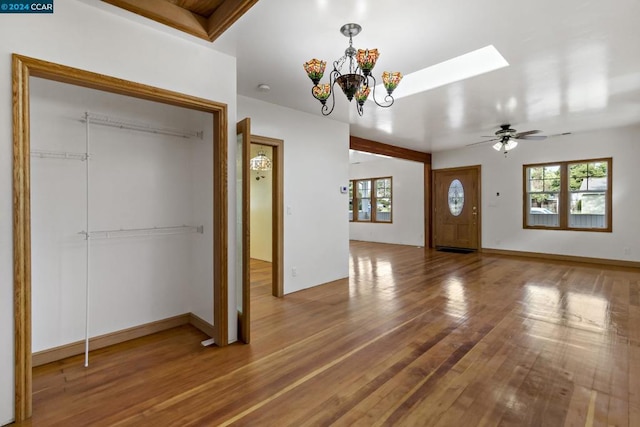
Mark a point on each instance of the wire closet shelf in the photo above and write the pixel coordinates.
(90, 119)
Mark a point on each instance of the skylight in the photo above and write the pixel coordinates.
(453, 70)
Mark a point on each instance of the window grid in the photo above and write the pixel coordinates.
(573, 195)
(370, 200)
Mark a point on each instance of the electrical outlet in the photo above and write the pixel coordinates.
(627, 251)
(294, 271)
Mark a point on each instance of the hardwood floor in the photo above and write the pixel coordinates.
(413, 338)
(260, 280)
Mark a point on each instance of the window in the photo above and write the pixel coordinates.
(544, 192)
(573, 195)
(455, 197)
(363, 198)
(370, 200)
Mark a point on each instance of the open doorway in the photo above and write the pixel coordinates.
(412, 183)
(260, 221)
(277, 210)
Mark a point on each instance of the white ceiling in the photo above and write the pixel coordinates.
(574, 64)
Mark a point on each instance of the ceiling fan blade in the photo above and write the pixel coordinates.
(519, 135)
(559, 134)
(483, 142)
(534, 137)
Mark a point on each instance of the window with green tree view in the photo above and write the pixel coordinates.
(574, 195)
(370, 200)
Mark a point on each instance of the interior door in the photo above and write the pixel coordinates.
(456, 208)
(243, 131)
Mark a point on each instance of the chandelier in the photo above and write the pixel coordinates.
(355, 80)
(260, 162)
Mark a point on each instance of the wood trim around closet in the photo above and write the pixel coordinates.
(24, 68)
(21, 240)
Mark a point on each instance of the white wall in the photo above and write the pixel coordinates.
(86, 35)
(407, 202)
(316, 164)
(261, 225)
(502, 215)
(138, 180)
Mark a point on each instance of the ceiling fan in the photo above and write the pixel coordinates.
(508, 138)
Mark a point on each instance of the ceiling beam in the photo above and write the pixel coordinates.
(166, 13)
(361, 144)
(225, 15)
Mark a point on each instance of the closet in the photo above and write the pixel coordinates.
(121, 214)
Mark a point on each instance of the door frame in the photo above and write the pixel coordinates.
(23, 68)
(277, 211)
(478, 170)
(277, 226)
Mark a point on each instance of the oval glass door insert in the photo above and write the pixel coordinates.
(456, 197)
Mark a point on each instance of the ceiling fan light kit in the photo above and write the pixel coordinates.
(352, 72)
(508, 138)
(506, 146)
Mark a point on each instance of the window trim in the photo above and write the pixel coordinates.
(564, 196)
(373, 199)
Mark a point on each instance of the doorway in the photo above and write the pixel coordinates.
(268, 222)
(24, 68)
(277, 210)
(260, 219)
(456, 208)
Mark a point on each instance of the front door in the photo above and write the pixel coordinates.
(456, 208)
